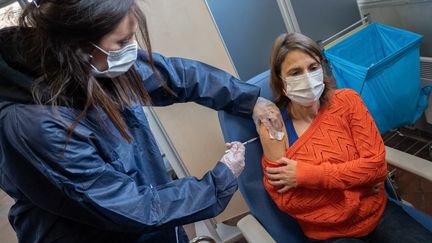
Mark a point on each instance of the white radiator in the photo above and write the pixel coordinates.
(426, 78)
(426, 68)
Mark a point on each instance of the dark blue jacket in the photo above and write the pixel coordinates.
(100, 188)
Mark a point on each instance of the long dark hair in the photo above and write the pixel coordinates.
(281, 47)
(59, 33)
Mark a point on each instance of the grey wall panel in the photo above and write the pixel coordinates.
(248, 28)
(320, 19)
(415, 16)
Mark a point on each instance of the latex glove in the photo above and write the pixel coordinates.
(267, 113)
(234, 157)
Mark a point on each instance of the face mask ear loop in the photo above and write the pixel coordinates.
(100, 49)
(95, 68)
(36, 3)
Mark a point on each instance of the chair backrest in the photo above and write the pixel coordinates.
(280, 226)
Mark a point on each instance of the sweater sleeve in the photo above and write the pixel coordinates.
(369, 169)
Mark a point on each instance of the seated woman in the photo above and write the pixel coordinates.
(323, 173)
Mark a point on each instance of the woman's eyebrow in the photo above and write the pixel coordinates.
(294, 69)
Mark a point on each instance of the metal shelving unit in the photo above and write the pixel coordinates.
(410, 140)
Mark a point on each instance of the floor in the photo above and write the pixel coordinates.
(6, 232)
(190, 228)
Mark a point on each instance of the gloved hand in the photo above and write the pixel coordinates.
(267, 113)
(234, 157)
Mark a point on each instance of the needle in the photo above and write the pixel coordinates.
(244, 143)
(250, 140)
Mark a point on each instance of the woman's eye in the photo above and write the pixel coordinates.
(314, 67)
(124, 43)
(294, 73)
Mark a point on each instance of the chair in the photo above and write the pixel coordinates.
(266, 222)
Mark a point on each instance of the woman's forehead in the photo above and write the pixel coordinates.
(126, 26)
(297, 58)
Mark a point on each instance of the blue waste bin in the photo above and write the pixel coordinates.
(382, 64)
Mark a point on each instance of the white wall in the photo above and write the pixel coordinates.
(9, 15)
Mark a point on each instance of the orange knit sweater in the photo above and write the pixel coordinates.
(339, 159)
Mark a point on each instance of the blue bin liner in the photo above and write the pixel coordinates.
(382, 64)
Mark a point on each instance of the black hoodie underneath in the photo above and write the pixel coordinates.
(15, 70)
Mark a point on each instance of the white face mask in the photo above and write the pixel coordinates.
(306, 88)
(118, 61)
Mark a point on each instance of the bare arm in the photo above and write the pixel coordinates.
(273, 149)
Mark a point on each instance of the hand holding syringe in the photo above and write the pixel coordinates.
(244, 143)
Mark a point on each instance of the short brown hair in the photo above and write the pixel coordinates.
(281, 47)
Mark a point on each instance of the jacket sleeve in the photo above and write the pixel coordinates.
(100, 195)
(193, 81)
(369, 169)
